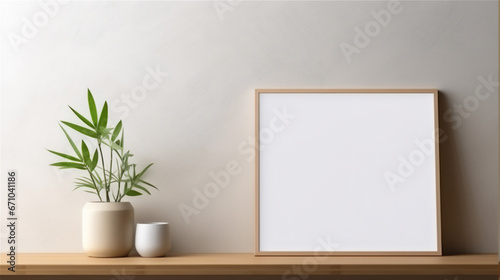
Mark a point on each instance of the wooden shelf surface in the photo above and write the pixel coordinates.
(248, 264)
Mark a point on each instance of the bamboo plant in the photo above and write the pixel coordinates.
(112, 172)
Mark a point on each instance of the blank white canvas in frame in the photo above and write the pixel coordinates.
(347, 172)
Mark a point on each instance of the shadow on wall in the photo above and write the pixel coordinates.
(453, 197)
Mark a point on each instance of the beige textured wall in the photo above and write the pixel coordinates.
(205, 59)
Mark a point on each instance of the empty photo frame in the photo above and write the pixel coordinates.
(347, 172)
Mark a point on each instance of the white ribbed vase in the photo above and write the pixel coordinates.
(108, 229)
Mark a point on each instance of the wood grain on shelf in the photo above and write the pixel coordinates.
(248, 264)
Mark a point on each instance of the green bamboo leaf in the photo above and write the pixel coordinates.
(128, 154)
(122, 140)
(98, 181)
(87, 122)
(126, 166)
(82, 130)
(142, 172)
(84, 181)
(114, 146)
(65, 164)
(103, 119)
(98, 178)
(72, 144)
(92, 108)
(86, 154)
(104, 132)
(149, 184)
(65, 156)
(95, 160)
(133, 193)
(142, 188)
(84, 186)
(117, 130)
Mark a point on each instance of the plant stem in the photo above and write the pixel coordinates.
(118, 198)
(95, 185)
(119, 179)
(110, 164)
(104, 172)
(131, 182)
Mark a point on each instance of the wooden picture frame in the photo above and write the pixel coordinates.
(347, 172)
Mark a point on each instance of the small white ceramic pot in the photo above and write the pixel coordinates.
(108, 229)
(152, 239)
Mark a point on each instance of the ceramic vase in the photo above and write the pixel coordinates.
(108, 229)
